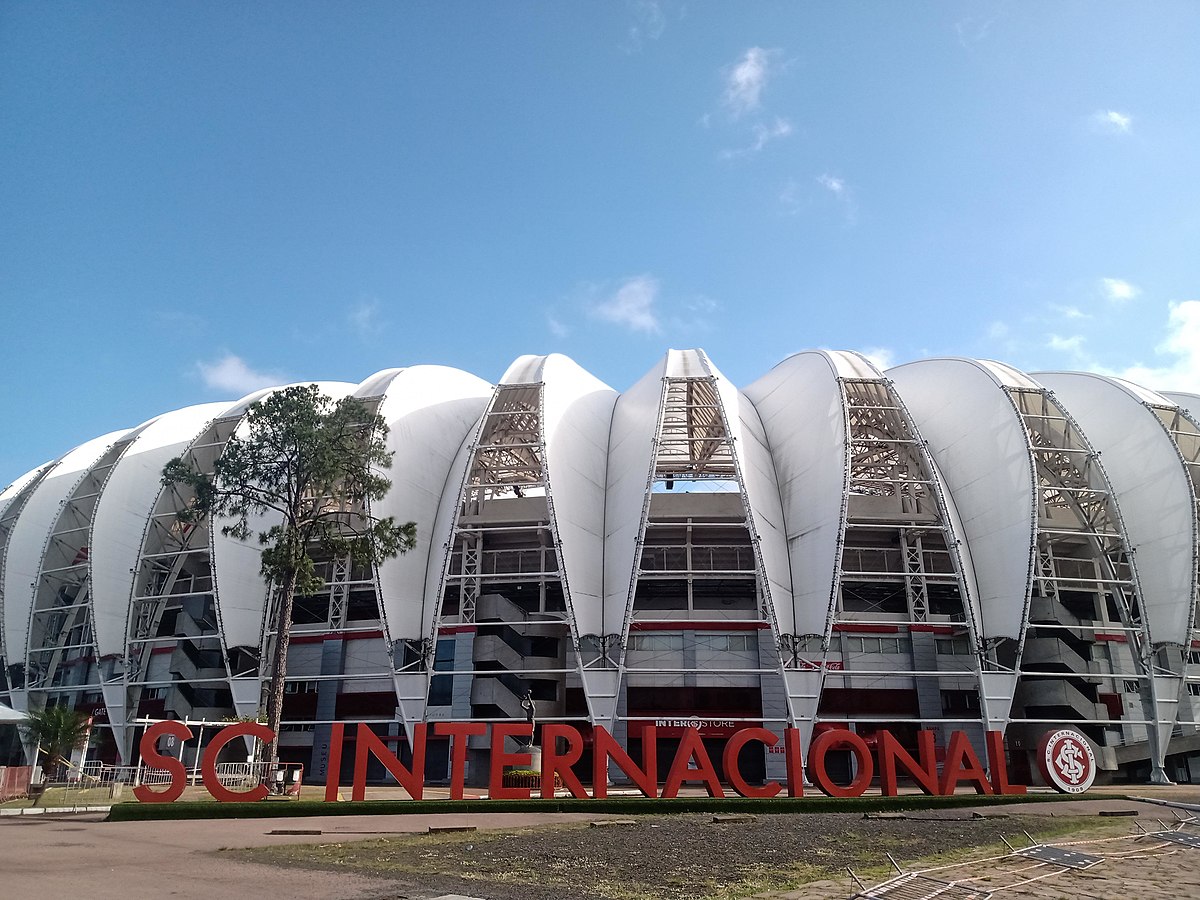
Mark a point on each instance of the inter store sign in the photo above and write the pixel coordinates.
(691, 764)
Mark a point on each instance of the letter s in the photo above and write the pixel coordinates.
(151, 757)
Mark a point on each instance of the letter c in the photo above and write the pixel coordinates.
(208, 767)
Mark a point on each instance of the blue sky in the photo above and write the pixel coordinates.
(201, 198)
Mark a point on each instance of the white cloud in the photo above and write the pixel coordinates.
(1072, 344)
(632, 305)
(1110, 121)
(231, 373)
(789, 197)
(1180, 370)
(997, 330)
(972, 30)
(763, 135)
(832, 183)
(693, 314)
(746, 80)
(1069, 312)
(882, 357)
(556, 326)
(649, 22)
(364, 318)
(841, 191)
(1117, 290)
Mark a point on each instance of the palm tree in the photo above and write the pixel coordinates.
(57, 731)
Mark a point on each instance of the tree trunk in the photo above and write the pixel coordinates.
(278, 670)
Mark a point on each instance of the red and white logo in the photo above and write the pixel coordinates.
(1067, 761)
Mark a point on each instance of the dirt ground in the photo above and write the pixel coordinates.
(670, 857)
(539, 856)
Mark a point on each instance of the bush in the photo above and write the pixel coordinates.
(133, 812)
(530, 778)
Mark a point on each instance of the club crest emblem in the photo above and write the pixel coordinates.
(1067, 761)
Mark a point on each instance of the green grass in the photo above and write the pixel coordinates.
(133, 812)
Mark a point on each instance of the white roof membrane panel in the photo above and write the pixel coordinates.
(800, 405)
(27, 543)
(429, 410)
(125, 504)
(631, 452)
(577, 411)
(981, 448)
(1151, 487)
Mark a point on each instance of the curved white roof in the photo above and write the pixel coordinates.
(27, 542)
(428, 410)
(9, 494)
(788, 448)
(800, 402)
(121, 512)
(576, 409)
(981, 448)
(1189, 402)
(630, 465)
(1152, 487)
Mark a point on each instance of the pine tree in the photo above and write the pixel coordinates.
(311, 466)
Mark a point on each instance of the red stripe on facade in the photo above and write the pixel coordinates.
(334, 636)
(697, 626)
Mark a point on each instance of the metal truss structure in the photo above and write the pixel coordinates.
(900, 618)
(504, 640)
(951, 545)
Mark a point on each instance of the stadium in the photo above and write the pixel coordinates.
(951, 545)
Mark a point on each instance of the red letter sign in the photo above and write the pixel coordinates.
(412, 780)
(962, 764)
(733, 748)
(605, 746)
(794, 761)
(502, 758)
(553, 764)
(209, 766)
(691, 746)
(459, 732)
(822, 744)
(999, 765)
(151, 757)
(924, 773)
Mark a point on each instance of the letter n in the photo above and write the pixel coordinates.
(412, 780)
(924, 773)
(963, 765)
(604, 746)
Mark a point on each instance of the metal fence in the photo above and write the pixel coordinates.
(14, 782)
(97, 784)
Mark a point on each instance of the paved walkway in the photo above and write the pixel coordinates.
(83, 856)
